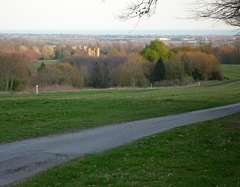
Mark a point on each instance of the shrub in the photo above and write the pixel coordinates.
(217, 74)
(16, 84)
(60, 74)
(189, 66)
(187, 80)
(13, 72)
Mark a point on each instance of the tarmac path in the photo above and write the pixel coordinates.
(22, 159)
(223, 83)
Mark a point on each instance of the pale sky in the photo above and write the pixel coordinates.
(94, 14)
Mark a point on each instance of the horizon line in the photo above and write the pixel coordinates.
(123, 31)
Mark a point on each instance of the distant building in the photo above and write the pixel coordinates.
(164, 39)
(98, 52)
(90, 52)
(93, 52)
(85, 48)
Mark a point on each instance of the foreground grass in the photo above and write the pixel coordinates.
(28, 115)
(202, 154)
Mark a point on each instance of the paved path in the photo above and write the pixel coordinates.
(23, 159)
(222, 83)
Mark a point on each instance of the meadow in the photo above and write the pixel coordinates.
(202, 154)
(231, 71)
(29, 115)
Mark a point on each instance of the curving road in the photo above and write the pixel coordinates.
(222, 83)
(23, 159)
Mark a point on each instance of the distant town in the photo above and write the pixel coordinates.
(141, 40)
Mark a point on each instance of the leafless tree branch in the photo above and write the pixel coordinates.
(227, 11)
(138, 10)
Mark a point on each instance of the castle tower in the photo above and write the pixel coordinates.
(89, 51)
(98, 52)
(85, 48)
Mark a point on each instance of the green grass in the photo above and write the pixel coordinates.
(38, 63)
(231, 71)
(29, 115)
(202, 154)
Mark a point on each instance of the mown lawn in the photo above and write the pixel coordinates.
(28, 115)
(202, 154)
(231, 71)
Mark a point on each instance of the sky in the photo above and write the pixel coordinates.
(96, 15)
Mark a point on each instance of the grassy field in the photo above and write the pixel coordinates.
(203, 154)
(231, 71)
(28, 115)
(38, 63)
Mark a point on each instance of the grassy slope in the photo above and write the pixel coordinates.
(28, 115)
(203, 154)
(231, 71)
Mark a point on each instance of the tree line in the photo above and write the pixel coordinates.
(32, 51)
(155, 65)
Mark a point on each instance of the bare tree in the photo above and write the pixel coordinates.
(13, 72)
(227, 11)
(139, 9)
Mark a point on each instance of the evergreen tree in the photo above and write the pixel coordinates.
(100, 76)
(96, 76)
(106, 76)
(58, 54)
(159, 71)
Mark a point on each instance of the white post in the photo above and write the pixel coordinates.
(151, 85)
(37, 89)
(199, 84)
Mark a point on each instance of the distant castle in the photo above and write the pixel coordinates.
(95, 52)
